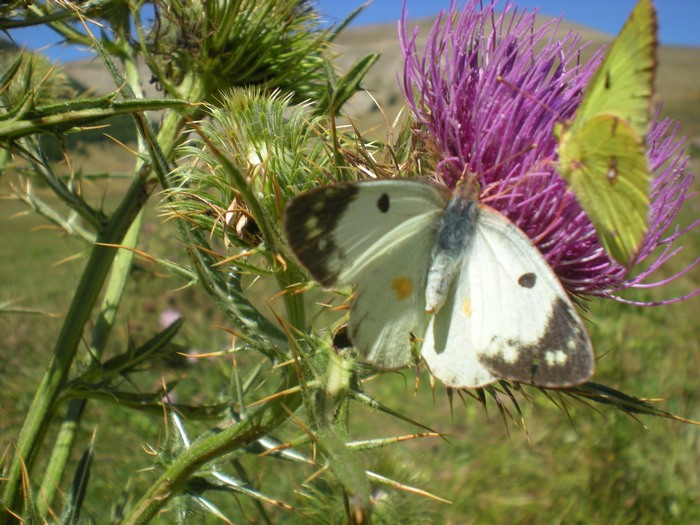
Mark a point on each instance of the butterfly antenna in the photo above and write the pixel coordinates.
(507, 188)
(511, 157)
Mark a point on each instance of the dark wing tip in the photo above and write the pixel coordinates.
(561, 357)
(310, 220)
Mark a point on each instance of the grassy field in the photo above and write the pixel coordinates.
(579, 466)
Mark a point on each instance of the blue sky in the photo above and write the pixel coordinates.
(679, 20)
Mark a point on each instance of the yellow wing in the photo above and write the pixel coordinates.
(601, 152)
(624, 83)
(606, 167)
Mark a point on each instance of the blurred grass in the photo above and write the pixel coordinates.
(595, 468)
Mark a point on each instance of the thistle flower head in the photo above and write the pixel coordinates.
(204, 47)
(487, 91)
(31, 74)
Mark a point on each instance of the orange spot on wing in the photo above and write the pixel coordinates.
(467, 307)
(403, 286)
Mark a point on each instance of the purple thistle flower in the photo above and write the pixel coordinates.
(487, 91)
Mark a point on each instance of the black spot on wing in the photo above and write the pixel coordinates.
(527, 280)
(309, 223)
(383, 203)
(561, 357)
(607, 80)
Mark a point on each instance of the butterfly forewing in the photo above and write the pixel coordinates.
(623, 84)
(378, 235)
(337, 231)
(507, 316)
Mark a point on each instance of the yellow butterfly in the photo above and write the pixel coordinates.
(602, 151)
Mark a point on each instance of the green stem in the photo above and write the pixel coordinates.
(103, 327)
(110, 303)
(258, 422)
(294, 302)
(41, 410)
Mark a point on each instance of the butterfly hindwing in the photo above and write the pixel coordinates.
(611, 183)
(447, 343)
(388, 310)
(378, 235)
(507, 316)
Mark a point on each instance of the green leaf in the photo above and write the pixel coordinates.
(76, 496)
(341, 89)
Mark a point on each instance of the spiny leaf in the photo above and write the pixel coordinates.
(629, 404)
(76, 496)
(346, 86)
(130, 360)
(365, 399)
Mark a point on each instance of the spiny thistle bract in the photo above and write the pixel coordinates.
(220, 44)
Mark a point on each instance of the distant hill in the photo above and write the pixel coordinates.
(352, 44)
(382, 80)
(676, 83)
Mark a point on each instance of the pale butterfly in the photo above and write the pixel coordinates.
(443, 271)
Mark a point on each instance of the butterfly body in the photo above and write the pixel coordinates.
(453, 239)
(445, 272)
